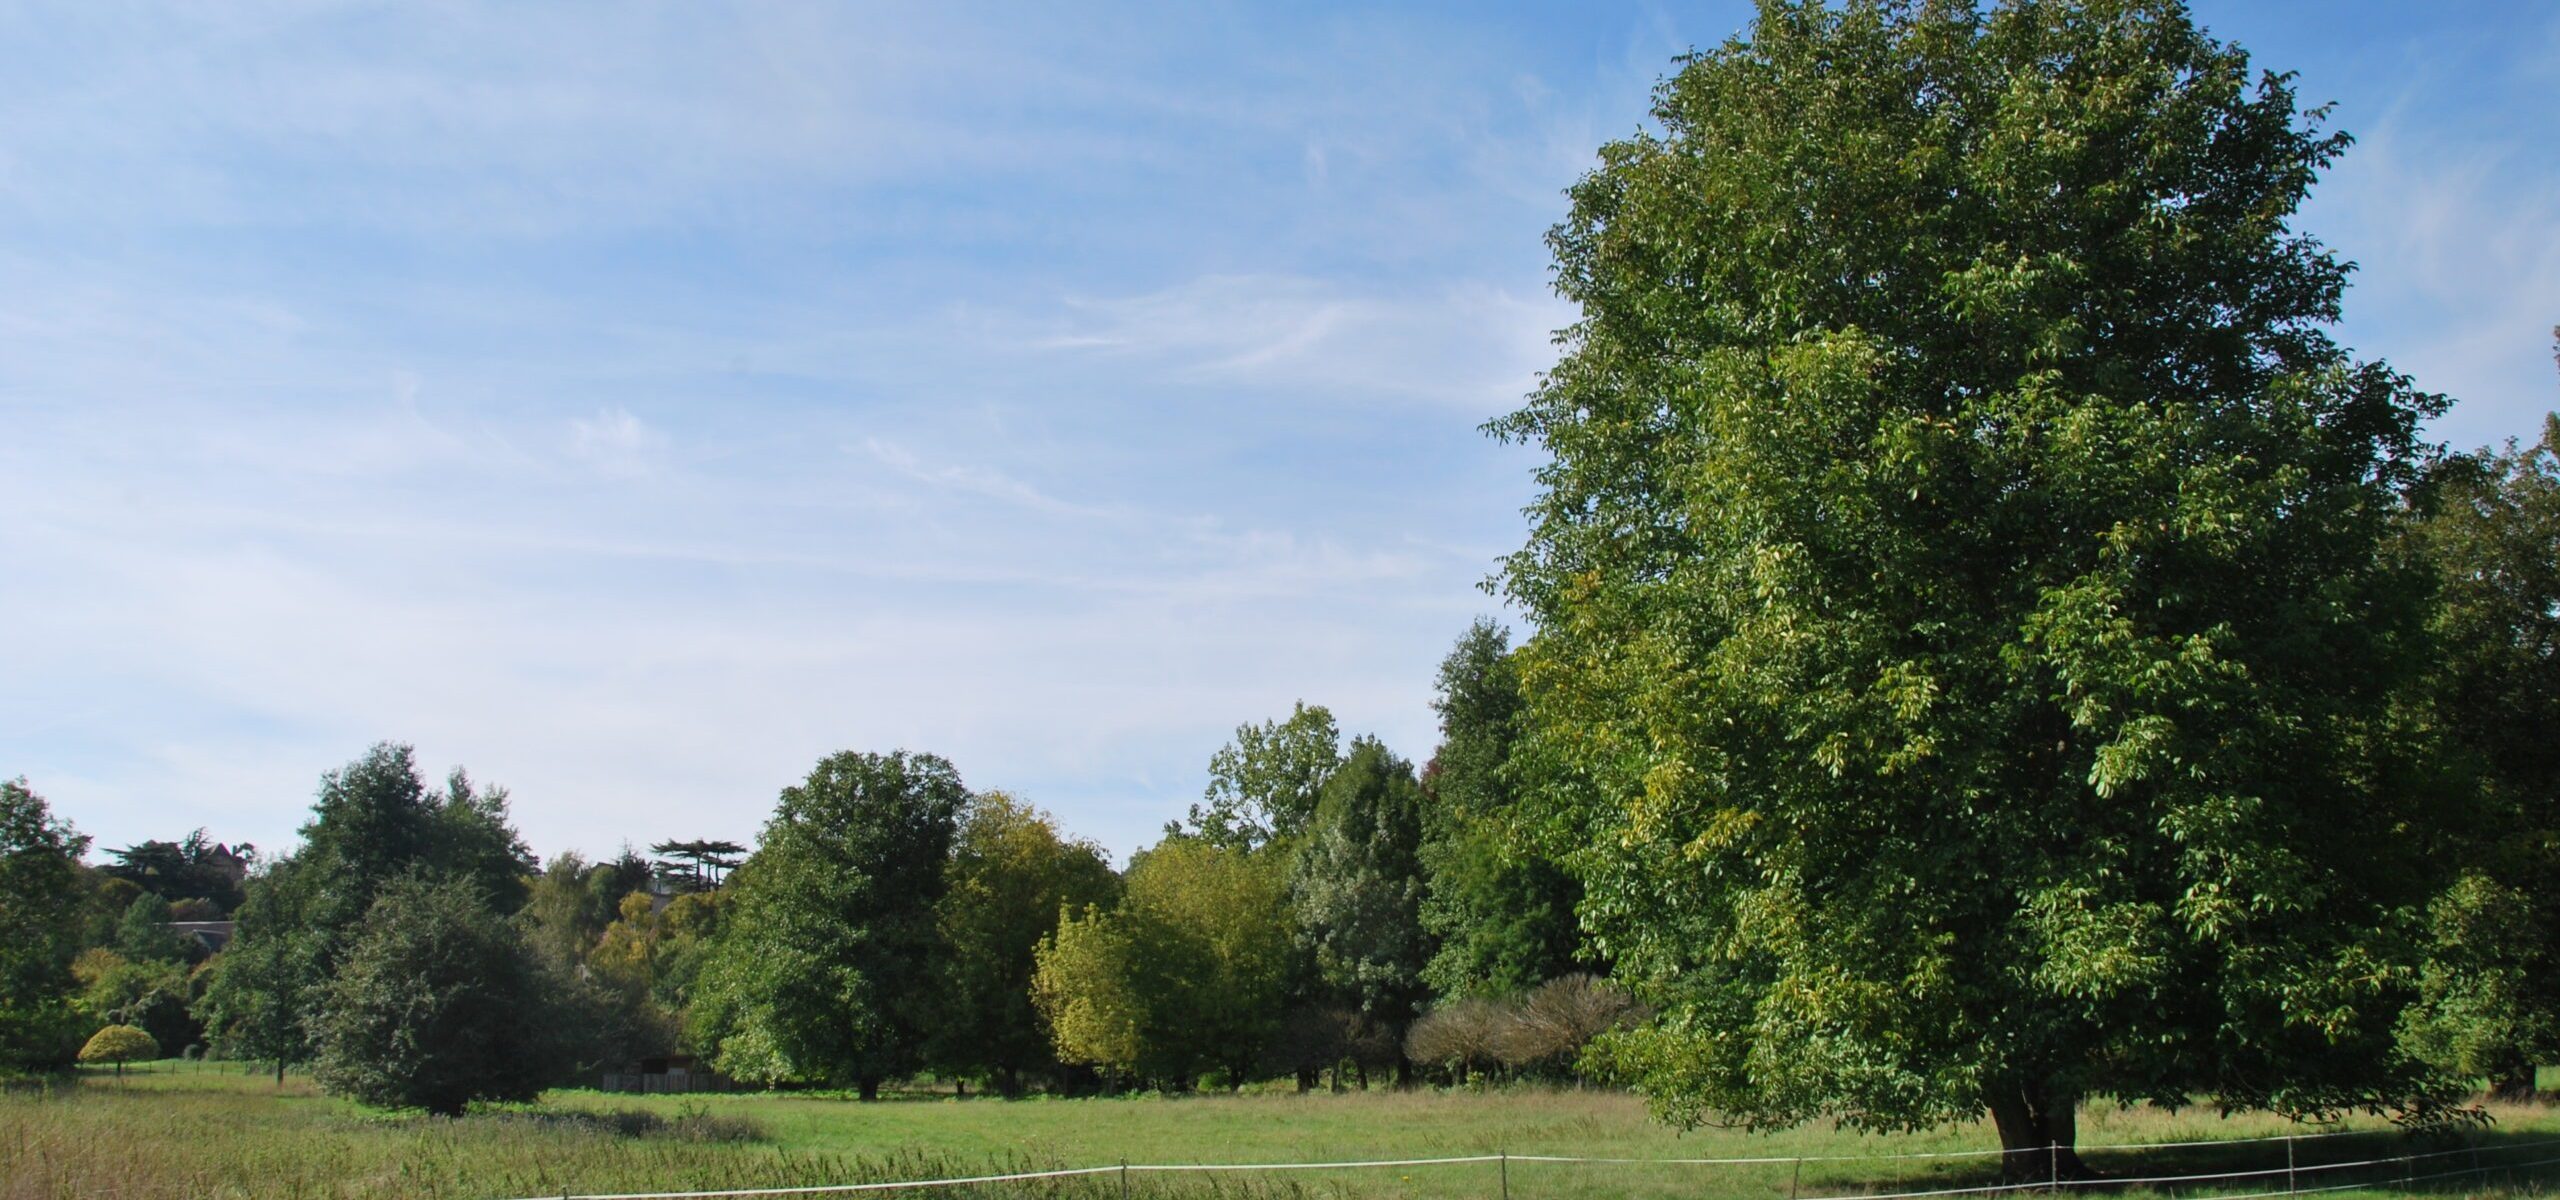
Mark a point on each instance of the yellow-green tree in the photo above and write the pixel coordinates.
(1188, 974)
(1011, 876)
(119, 1044)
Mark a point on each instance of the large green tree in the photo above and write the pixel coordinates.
(1965, 673)
(2491, 531)
(1502, 912)
(1011, 876)
(40, 917)
(373, 821)
(823, 966)
(1357, 889)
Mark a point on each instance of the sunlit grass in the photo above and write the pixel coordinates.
(174, 1130)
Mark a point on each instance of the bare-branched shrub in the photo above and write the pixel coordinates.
(1461, 1035)
(1549, 1027)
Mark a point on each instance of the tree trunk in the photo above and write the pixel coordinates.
(959, 1089)
(279, 1070)
(2515, 1084)
(1307, 1077)
(2038, 1130)
(1404, 1072)
(870, 1088)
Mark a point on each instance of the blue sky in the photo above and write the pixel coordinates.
(633, 403)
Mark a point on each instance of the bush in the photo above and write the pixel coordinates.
(437, 1004)
(1460, 1035)
(119, 1044)
(1550, 1026)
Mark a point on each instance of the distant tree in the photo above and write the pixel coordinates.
(40, 911)
(437, 1002)
(1463, 1035)
(1965, 677)
(119, 1044)
(144, 934)
(152, 995)
(2490, 531)
(1358, 890)
(1188, 974)
(265, 984)
(658, 953)
(1263, 785)
(823, 970)
(1501, 911)
(196, 868)
(696, 865)
(1088, 987)
(562, 917)
(1011, 876)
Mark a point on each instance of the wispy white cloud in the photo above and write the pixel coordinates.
(1472, 347)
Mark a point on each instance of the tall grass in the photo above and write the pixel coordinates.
(203, 1133)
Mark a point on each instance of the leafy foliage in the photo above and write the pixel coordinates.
(437, 1002)
(119, 1044)
(1010, 879)
(144, 934)
(822, 970)
(1501, 911)
(40, 910)
(197, 868)
(2491, 533)
(1188, 974)
(1263, 786)
(1358, 888)
(374, 822)
(1965, 674)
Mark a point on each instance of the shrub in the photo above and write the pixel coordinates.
(119, 1044)
(1550, 1026)
(1461, 1035)
(437, 1004)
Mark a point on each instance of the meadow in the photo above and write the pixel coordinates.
(170, 1130)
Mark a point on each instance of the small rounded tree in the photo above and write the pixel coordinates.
(119, 1044)
(437, 1004)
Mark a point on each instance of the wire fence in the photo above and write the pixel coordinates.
(2383, 1172)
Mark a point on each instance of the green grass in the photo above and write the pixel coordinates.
(182, 1131)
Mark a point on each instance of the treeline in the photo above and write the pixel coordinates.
(1327, 914)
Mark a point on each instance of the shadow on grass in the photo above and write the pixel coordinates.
(2468, 1162)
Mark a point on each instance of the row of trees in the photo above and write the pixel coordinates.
(889, 921)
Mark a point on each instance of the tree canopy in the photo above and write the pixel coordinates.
(436, 1003)
(823, 966)
(1501, 912)
(1011, 877)
(1263, 785)
(1965, 676)
(40, 901)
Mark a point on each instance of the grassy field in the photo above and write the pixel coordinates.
(173, 1131)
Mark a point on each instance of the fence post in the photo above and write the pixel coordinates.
(1506, 1174)
(2052, 1166)
(2288, 1164)
(1796, 1180)
(1124, 1179)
